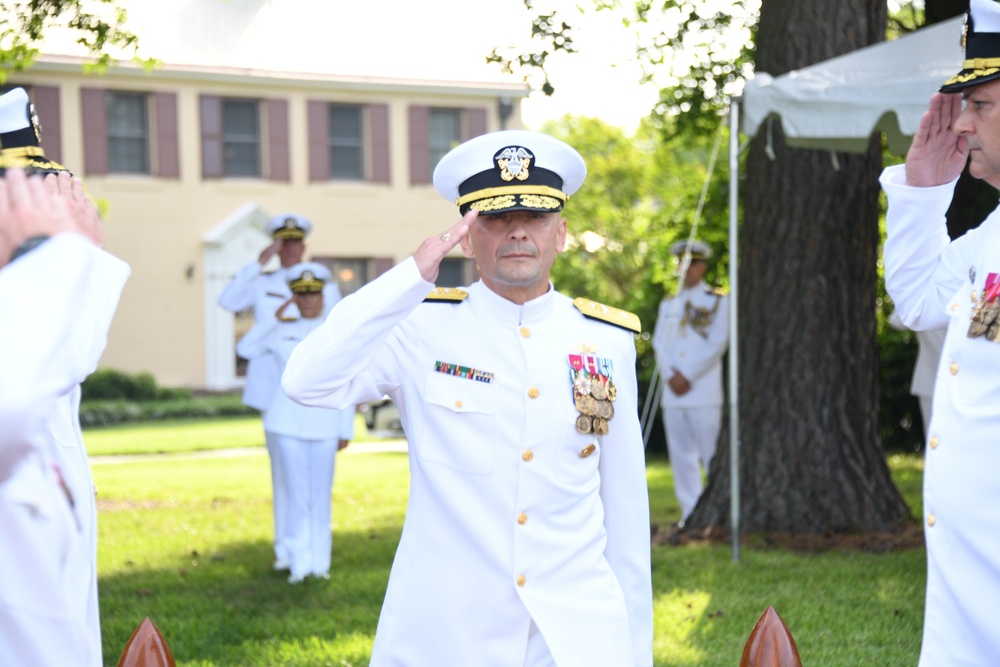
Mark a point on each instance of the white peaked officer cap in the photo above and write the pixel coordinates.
(508, 171)
(699, 249)
(289, 226)
(308, 277)
(21, 136)
(981, 41)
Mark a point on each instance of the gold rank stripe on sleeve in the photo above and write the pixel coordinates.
(614, 316)
(446, 295)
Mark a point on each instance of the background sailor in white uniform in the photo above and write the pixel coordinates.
(526, 539)
(265, 292)
(307, 439)
(690, 339)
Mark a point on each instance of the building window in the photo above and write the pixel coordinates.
(241, 137)
(445, 127)
(350, 273)
(456, 272)
(346, 143)
(128, 133)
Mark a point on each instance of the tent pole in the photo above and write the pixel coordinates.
(734, 348)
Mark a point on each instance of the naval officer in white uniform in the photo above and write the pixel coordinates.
(526, 539)
(58, 293)
(265, 292)
(936, 283)
(689, 341)
(307, 439)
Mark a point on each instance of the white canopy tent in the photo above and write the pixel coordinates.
(834, 105)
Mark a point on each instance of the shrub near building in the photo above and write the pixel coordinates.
(113, 397)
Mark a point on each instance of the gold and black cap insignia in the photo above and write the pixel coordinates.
(981, 41)
(289, 226)
(21, 136)
(509, 171)
(308, 277)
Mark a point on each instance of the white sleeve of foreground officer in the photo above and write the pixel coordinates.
(332, 367)
(57, 303)
(922, 269)
(626, 512)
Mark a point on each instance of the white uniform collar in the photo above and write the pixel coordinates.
(486, 301)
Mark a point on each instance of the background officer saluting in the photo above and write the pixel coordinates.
(956, 285)
(265, 293)
(307, 439)
(526, 539)
(691, 336)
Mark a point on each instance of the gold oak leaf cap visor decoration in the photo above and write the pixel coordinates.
(509, 171)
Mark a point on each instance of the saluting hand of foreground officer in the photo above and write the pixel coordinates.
(430, 253)
(31, 207)
(938, 153)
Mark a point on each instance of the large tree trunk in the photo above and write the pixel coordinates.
(811, 459)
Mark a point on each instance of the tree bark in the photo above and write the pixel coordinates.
(811, 459)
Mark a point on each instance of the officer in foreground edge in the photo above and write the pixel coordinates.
(956, 285)
(526, 539)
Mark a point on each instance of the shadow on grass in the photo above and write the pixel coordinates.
(231, 608)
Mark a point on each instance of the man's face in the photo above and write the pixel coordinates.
(291, 251)
(515, 250)
(310, 304)
(695, 271)
(979, 123)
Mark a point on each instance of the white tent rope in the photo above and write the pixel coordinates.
(656, 387)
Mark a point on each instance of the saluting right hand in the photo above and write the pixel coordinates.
(28, 209)
(430, 253)
(938, 154)
(269, 252)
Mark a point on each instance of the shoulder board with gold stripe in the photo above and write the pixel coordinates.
(598, 311)
(275, 295)
(283, 318)
(717, 291)
(446, 295)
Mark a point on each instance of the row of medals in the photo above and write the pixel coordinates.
(985, 318)
(593, 396)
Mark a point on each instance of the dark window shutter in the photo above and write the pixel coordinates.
(277, 140)
(378, 115)
(319, 140)
(420, 172)
(380, 265)
(168, 163)
(95, 131)
(211, 136)
(49, 115)
(475, 122)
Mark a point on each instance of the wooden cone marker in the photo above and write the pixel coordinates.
(146, 648)
(770, 643)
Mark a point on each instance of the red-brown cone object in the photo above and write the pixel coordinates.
(770, 643)
(146, 648)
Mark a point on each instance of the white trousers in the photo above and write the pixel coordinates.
(309, 466)
(279, 499)
(691, 437)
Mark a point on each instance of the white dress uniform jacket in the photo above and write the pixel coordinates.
(513, 515)
(934, 284)
(48, 584)
(691, 346)
(251, 287)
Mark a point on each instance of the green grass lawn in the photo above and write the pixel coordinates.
(187, 435)
(188, 543)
